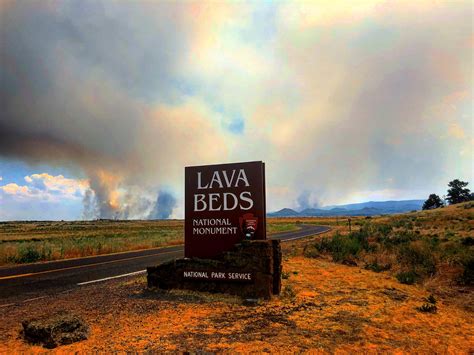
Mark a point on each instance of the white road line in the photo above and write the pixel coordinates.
(309, 235)
(24, 301)
(112, 277)
(34, 299)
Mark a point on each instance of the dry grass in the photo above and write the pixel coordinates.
(323, 221)
(332, 308)
(433, 248)
(24, 242)
(326, 307)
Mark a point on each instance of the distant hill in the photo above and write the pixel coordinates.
(370, 208)
(285, 212)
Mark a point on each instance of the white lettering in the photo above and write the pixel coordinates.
(213, 198)
(226, 206)
(242, 176)
(199, 182)
(227, 182)
(199, 198)
(247, 199)
(216, 178)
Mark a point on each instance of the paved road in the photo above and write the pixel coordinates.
(34, 280)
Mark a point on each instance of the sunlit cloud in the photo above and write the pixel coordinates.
(46, 187)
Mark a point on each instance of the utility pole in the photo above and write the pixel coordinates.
(350, 229)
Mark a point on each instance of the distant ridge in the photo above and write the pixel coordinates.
(285, 212)
(370, 208)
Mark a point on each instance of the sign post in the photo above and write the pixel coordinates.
(225, 240)
(224, 204)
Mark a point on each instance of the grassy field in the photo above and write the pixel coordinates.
(429, 247)
(325, 306)
(26, 242)
(414, 246)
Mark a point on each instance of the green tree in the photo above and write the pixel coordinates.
(458, 192)
(433, 201)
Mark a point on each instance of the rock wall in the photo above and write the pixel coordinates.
(260, 258)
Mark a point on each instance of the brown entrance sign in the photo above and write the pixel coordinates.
(224, 204)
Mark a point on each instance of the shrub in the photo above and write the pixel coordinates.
(311, 251)
(468, 241)
(467, 205)
(28, 254)
(431, 299)
(376, 267)
(46, 252)
(428, 308)
(323, 245)
(467, 276)
(407, 277)
(341, 247)
(453, 252)
(396, 238)
(344, 247)
(418, 256)
(384, 229)
(450, 234)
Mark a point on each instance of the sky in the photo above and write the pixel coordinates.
(105, 102)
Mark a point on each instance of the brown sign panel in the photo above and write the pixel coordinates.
(223, 204)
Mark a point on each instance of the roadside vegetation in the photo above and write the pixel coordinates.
(414, 247)
(29, 242)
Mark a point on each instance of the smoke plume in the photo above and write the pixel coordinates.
(165, 203)
(369, 100)
(84, 87)
(306, 199)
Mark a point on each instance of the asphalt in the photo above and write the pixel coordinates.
(27, 282)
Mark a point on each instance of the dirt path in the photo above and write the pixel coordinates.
(325, 307)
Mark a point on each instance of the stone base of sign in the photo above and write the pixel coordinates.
(259, 258)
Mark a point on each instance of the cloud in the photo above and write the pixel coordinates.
(100, 81)
(369, 101)
(58, 183)
(336, 98)
(14, 189)
(456, 131)
(46, 187)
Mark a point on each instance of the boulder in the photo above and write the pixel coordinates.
(52, 331)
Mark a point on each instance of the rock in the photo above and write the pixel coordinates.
(52, 331)
(349, 262)
(261, 258)
(250, 302)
